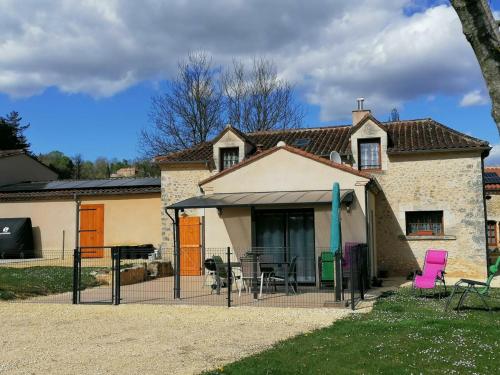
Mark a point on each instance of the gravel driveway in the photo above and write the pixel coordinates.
(128, 339)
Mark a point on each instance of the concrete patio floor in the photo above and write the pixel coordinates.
(194, 292)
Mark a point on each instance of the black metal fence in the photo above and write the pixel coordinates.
(274, 277)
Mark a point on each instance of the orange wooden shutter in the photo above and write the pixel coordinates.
(92, 230)
(190, 243)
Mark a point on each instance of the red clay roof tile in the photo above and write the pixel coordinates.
(404, 136)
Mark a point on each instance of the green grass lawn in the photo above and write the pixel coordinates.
(20, 283)
(403, 334)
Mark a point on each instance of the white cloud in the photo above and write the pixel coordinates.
(334, 51)
(494, 156)
(474, 97)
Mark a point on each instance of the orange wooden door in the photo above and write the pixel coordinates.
(92, 230)
(190, 242)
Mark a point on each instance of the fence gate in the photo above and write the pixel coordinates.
(94, 275)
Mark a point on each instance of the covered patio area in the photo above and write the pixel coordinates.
(284, 266)
(275, 222)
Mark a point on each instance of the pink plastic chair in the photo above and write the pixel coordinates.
(433, 271)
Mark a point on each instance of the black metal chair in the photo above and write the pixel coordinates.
(292, 277)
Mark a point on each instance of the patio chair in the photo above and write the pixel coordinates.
(221, 275)
(292, 277)
(326, 269)
(480, 288)
(247, 274)
(433, 271)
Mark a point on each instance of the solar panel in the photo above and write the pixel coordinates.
(59, 185)
(492, 179)
(114, 183)
(142, 181)
(82, 184)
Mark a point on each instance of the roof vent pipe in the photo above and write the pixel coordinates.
(360, 103)
(359, 113)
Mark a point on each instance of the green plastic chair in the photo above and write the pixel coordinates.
(480, 288)
(327, 264)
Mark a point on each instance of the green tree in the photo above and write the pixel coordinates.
(102, 168)
(146, 168)
(12, 132)
(87, 171)
(59, 162)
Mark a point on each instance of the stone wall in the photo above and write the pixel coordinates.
(178, 183)
(430, 182)
(493, 206)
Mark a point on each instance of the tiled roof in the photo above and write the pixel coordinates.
(199, 153)
(5, 153)
(428, 135)
(404, 136)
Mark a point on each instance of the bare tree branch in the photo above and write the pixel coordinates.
(481, 30)
(189, 113)
(199, 98)
(258, 100)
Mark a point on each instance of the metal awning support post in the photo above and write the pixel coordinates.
(177, 255)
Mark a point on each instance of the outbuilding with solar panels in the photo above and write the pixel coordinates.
(107, 212)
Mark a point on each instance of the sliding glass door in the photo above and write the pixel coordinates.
(300, 244)
(285, 234)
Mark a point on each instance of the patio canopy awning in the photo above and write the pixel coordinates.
(273, 198)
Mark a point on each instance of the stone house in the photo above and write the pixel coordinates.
(407, 186)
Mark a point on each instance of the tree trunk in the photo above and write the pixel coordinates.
(481, 30)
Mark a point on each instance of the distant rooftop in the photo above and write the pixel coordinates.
(491, 178)
(5, 153)
(62, 188)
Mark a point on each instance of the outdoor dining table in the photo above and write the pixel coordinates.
(270, 267)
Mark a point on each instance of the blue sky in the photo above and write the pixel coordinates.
(85, 86)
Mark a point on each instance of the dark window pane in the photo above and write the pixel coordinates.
(421, 223)
(492, 233)
(282, 235)
(369, 154)
(229, 157)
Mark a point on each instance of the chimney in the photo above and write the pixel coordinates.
(359, 113)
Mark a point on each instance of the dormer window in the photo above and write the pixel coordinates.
(369, 154)
(228, 157)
